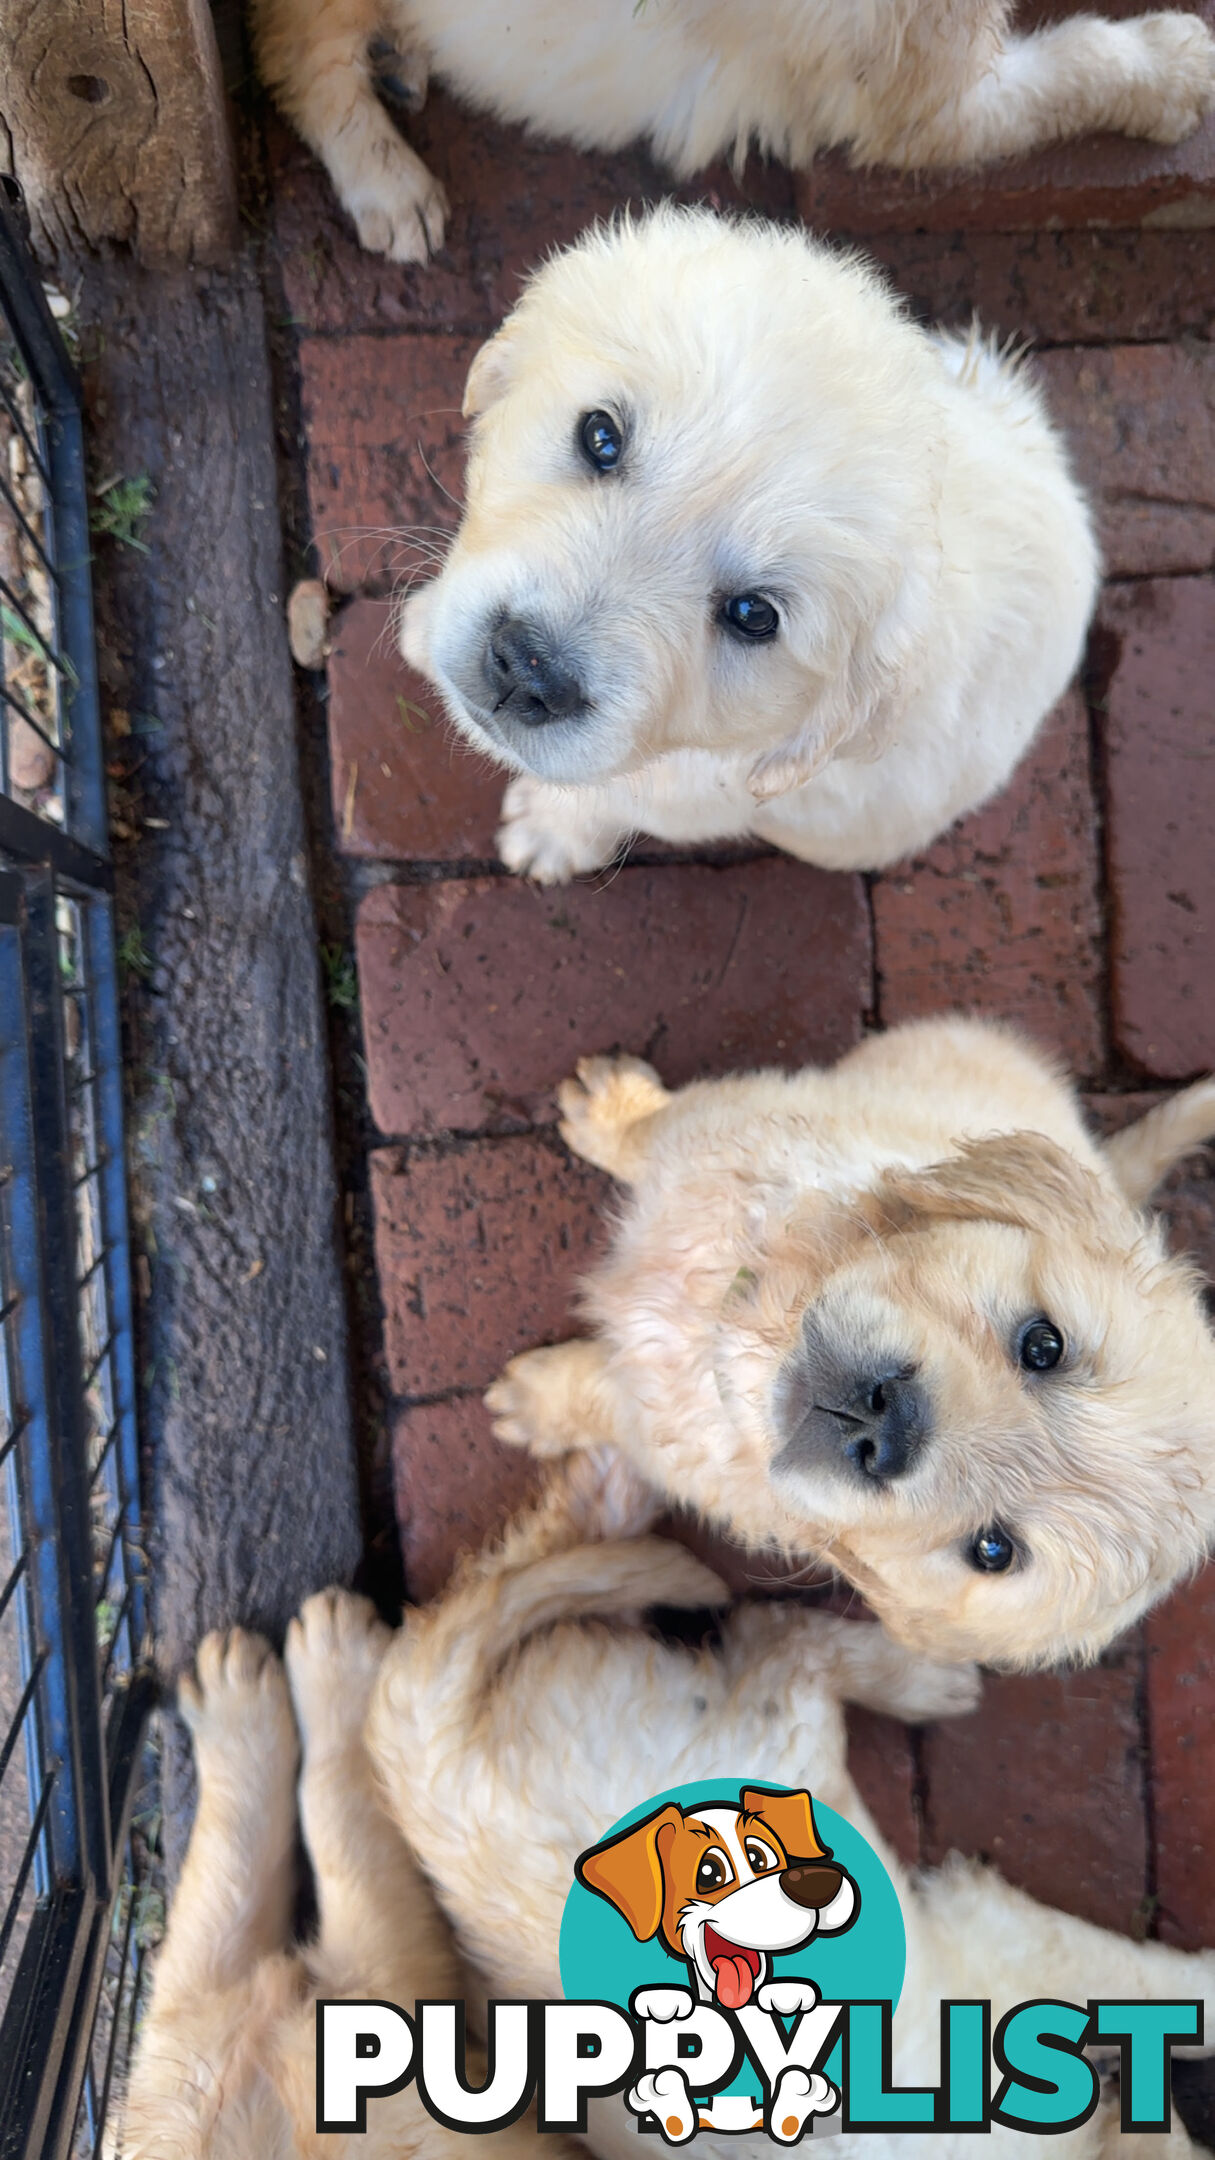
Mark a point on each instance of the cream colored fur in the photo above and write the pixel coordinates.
(914, 1206)
(910, 83)
(511, 1728)
(900, 497)
(226, 2063)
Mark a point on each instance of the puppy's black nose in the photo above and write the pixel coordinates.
(529, 678)
(812, 1883)
(881, 1423)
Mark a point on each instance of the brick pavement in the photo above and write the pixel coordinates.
(1080, 902)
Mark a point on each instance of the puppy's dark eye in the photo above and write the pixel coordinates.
(711, 1873)
(748, 615)
(992, 1552)
(601, 440)
(1040, 1347)
(759, 1857)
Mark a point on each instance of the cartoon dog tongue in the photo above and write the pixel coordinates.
(735, 1980)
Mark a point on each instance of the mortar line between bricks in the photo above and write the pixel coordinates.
(1151, 1886)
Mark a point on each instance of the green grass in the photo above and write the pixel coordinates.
(121, 508)
(133, 955)
(341, 979)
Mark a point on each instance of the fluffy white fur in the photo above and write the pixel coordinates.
(910, 83)
(516, 1721)
(226, 2062)
(791, 1241)
(901, 498)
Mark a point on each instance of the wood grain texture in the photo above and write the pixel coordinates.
(246, 1405)
(112, 119)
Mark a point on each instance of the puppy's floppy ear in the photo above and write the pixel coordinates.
(1143, 1153)
(627, 1870)
(790, 1816)
(1021, 1178)
(491, 373)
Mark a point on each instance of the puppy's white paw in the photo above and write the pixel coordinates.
(662, 2004)
(333, 1653)
(664, 2094)
(533, 1402)
(607, 1095)
(940, 1691)
(399, 208)
(1179, 88)
(799, 2094)
(543, 837)
(787, 1998)
(235, 1702)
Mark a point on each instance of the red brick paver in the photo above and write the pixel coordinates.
(1160, 736)
(1057, 905)
(482, 993)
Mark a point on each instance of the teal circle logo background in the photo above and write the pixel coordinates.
(602, 1961)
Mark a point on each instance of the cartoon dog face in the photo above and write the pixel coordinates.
(725, 1887)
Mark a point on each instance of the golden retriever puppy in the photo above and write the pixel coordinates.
(226, 2062)
(746, 551)
(899, 82)
(906, 1315)
(514, 1722)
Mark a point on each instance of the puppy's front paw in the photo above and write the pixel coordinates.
(399, 208)
(535, 1402)
(662, 2004)
(1179, 87)
(787, 1998)
(939, 1691)
(664, 2094)
(333, 1654)
(236, 1702)
(543, 837)
(606, 1097)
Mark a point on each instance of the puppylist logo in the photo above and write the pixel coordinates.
(732, 1956)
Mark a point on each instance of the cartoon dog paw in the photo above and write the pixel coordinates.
(798, 2095)
(662, 2003)
(787, 1998)
(665, 2094)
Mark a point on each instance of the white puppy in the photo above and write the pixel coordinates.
(907, 1315)
(514, 1722)
(902, 82)
(745, 551)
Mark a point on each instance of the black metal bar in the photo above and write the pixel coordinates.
(120, 1619)
(19, 706)
(95, 1364)
(102, 1459)
(31, 839)
(102, 2110)
(101, 1575)
(17, 1720)
(16, 1573)
(10, 405)
(37, 1826)
(38, 2021)
(66, 1461)
(22, 520)
(32, 1356)
(19, 608)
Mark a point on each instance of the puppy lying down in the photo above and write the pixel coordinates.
(226, 2062)
(517, 1720)
(907, 82)
(906, 1315)
(746, 551)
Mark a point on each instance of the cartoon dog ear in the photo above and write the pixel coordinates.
(491, 373)
(790, 1816)
(627, 1870)
(1019, 1178)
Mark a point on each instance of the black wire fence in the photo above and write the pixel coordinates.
(78, 1824)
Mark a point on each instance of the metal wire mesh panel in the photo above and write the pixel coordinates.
(77, 1804)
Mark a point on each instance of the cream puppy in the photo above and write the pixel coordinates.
(518, 1719)
(908, 1316)
(745, 551)
(901, 82)
(225, 2067)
